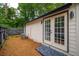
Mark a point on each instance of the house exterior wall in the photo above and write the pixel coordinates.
(34, 31)
(77, 29)
(27, 31)
(74, 30)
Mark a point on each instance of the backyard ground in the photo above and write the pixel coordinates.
(16, 46)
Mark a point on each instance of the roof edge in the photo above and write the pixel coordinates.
(53, 11)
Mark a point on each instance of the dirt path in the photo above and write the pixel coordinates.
(16, 46)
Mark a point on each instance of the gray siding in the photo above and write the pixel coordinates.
(72, 31)
(77, 29)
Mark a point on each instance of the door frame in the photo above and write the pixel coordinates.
(45, 41)
(66, 11)
(60, 46)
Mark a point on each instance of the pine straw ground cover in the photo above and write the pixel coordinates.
(16, 46)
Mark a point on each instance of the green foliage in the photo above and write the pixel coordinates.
(11, 13)
(32, 10)
(6, 16)
(28, 11)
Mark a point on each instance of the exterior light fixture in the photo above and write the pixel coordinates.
(71, 14)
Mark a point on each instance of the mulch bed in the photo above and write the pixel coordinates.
(16, 46)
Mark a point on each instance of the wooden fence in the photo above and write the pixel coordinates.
(14, 31)
(3, 36)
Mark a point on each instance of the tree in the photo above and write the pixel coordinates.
(28, 11)
(33, 10)
(11, 13)
(6, 15)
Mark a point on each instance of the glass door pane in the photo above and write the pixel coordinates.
(59, 30)
(47, 30)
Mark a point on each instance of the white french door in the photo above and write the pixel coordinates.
(47, 31)
(60, 31)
